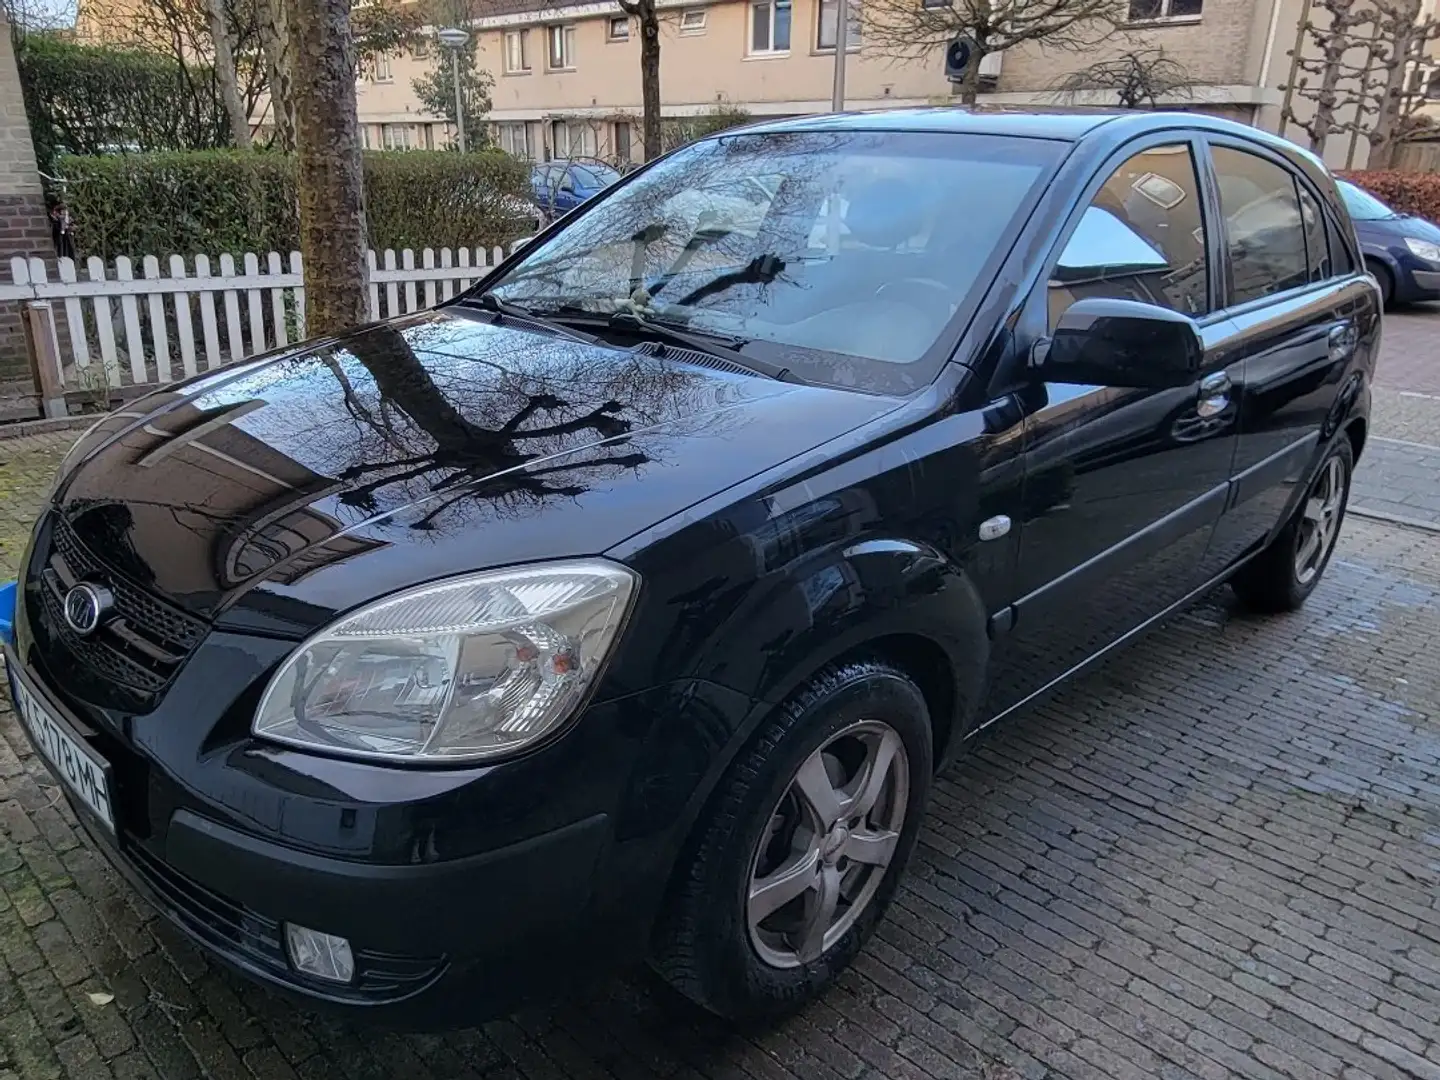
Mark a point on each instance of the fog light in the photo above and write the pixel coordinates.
(321, 955)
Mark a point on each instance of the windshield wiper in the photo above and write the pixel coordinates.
(490, 302)
(712, 344)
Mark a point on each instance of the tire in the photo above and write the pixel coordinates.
(1278, 579)
(1387, 283)
(758, 827)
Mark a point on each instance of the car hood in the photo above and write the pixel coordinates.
(276, 492)
(1387, 230)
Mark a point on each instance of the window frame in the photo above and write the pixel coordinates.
(693, 31)
(1164, 17)
(1200, 159)
(566, 32)
(1225, 280)
(610, 35)
(854, 15)
(522, 40)
(381, 70)
(770, 50)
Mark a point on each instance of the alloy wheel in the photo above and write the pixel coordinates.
(828, 842)
(1319, 521)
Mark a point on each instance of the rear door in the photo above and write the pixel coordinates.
(1299, 309)
(1123, 487)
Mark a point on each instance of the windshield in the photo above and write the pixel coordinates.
(840, 255)
(1362, 205)
(596, 176)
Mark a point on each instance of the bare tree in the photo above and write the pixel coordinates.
(912, 29)
(1138, 79)
(328, 170)
(222, 40)
(1405, 37)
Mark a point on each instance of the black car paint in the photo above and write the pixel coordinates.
(775, 528)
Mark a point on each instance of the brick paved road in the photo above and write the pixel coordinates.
(1215, 857)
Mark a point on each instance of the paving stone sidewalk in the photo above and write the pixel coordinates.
(1400, 480)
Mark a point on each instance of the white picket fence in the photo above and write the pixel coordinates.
(241, 310)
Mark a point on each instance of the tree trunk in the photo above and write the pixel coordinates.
(273, 21)
(235, 110)
(650, 78)
(970, 82)
(1327, 97)
(328, 173)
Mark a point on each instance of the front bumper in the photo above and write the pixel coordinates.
(436, 943)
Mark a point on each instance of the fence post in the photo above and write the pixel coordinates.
(43, 347)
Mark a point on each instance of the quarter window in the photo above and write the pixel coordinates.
(1265, 234)
(1141, 238)
(1317, 246)
(770, 26)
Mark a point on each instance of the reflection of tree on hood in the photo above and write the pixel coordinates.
(474, 452)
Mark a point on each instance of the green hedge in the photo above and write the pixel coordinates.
(1407, 192)
(215, 201)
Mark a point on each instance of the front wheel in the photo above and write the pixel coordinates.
(802, 846)
(1285, 573)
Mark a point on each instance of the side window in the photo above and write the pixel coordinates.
(1339, 251)
(1317, 244)
(1263, 226)
(1141, 238)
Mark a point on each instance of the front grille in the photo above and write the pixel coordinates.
(234, 927)
(144, 643)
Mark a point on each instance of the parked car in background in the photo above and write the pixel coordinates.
(560, 186)
(1401, 250)
(626, 605)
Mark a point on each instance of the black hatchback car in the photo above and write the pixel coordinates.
(625, 606)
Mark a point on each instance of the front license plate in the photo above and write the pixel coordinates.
(79, 767)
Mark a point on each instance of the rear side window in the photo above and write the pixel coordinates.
(1344, 262)
(1317, 244)
(1141, 238)
(1265, 233)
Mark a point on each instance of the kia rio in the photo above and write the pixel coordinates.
(625, 606)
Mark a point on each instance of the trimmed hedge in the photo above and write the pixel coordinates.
(1410, 193)
(215, 201)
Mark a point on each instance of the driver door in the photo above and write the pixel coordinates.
(1123, 486)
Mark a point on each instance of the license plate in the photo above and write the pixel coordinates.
(81, 770)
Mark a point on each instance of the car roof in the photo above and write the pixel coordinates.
(1038, 122)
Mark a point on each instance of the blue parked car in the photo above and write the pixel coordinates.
(560, 186)
(1401, 250)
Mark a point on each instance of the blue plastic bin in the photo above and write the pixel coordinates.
(7, 612)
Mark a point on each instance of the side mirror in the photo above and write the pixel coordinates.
(567, 186)
(1124, 343)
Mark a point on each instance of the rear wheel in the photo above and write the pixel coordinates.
(803, 844)
(1285, 573)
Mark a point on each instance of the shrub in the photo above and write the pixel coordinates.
(1407, 192)
(215, 201)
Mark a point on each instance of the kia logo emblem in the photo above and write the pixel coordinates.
(87, 606)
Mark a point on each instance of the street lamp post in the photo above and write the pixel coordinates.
(842, 39)
(454, 39)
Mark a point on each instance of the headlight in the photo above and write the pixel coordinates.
(467, 669)
(1424, 249)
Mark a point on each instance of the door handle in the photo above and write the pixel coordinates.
(1342, 341)
(1214, 395)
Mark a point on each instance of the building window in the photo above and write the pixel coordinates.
(397, 136)
(420, 49)
(692, 21)
(770, 26)
(1150, 10)
(561, 41)
(381, 69)
(937, 3)
(618, 28)
(572, 138)
(829, 12)
(515, 139)
(622, 142)
(517, 52)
